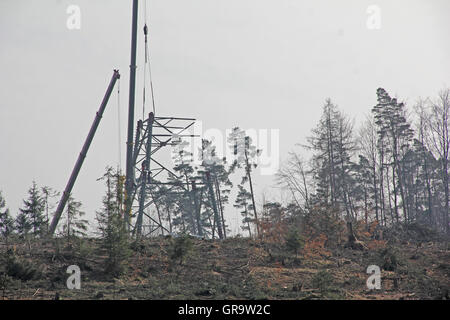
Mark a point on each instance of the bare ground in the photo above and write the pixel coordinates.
(235, 268)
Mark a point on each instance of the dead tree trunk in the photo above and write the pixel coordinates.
(353, 241)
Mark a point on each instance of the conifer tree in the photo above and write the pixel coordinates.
(75, 225)
(220, 177)
(31, 216)
(333, 146)
(243, 202)
(48, 194)
(23, 224)
(245, 156)
(395, 135)
(6, 221)
(111, 224)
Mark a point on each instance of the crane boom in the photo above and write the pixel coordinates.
(82, 155)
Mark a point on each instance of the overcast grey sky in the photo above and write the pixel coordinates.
(253, 63)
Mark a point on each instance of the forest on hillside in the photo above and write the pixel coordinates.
(391, 169)
(369, 187)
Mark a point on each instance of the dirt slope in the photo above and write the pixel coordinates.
(235, 268)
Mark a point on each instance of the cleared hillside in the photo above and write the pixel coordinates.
(236, 268)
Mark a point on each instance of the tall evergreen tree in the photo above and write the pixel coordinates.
(112, 225)
(244, 202)
(23, 224)
(6, 221)
(48, 194)
(364, 186)
(333, 145)
(31, 216)
(185, 212)
(395, 135)
(75, 225)
(220, 177)
(245, 156)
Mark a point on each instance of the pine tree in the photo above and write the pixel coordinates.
(220, 177)
(31, 216)
(74, 225)
(333, 146)
(185, 213)
(164, 199)
(364, 190)
(243, 202)
(395, 135)
(273, 212)
(48, 194)
(6, 221)
(23, 224)
(245, 156)
(294, 241)
(112, 226)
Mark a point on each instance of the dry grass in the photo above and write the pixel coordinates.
(234, 269)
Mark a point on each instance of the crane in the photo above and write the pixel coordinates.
(82, 155)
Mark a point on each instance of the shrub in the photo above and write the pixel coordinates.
(18, 269)
(323, 280)
(389, 259)
(180, 248)
(115, 242)
(294, 241)
(138, 246)
(5, 282)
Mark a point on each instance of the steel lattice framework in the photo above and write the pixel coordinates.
(142, 169)
(152, 135)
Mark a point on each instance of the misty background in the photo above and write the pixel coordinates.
(261, 64)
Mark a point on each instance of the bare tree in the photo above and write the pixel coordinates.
(368, 148)
(423, 137)
(293, 176)
(440, 142)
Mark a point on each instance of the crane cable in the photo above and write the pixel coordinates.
(147, 63)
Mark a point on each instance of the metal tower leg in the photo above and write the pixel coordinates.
(146, 174)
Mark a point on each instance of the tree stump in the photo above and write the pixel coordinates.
(353, 242)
